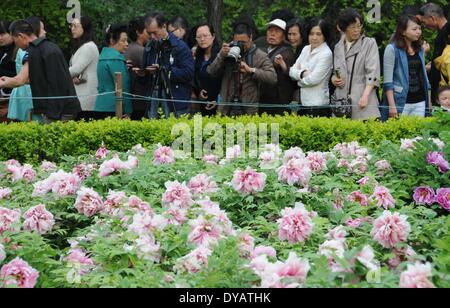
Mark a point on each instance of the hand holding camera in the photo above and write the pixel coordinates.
(225, 50)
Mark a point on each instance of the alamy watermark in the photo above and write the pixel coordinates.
(74, 12)
(211, 138)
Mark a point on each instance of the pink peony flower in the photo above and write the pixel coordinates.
(402, 254)
(249, 181)
(317, 162)
(359, 197)
(337, 233)
(294, 268)
(139, 150)
(416, 277)
(367, 258)
(38, 219)
(136, 204)
(268, 160)
(233, 153)
(293, 154)
(176, 215)
(163, 155)
(202, 184)
(354, 223)
(114, 202)
(364, 181)
(83, 171)
(177, 194)
(80, 260)
(102, 152)
(439, 143)
(148, 249)
(264, 250)
(194, 262)
(437, 159)
(60, 183)
(88, 202)
(246, 244)
(211, 159)
(116, 165)
(48, 166)
(295, 224)
(383, 166)
(146, 223)
(443, 198)
(383, 197)
(333, 247)
(391, 229)
(8, 218)
(204, 232)
(5, 193)
(18, 273)
(28, 173)
(409, 144)
(424, 195)
(295, 172)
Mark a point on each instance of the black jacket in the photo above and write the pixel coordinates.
(7, 63)
(50, 77)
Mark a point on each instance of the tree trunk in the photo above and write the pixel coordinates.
(215, 15)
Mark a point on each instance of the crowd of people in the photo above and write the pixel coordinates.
(168, 68)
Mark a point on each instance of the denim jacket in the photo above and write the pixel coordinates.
(396, 77)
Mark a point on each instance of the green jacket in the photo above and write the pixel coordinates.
(110, 62)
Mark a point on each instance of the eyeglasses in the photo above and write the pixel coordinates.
(203, 37)
(355, 27)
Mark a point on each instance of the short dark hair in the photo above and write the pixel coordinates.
(137, 25)
(35, 22)
(399, 39)
(179, 22)
(283, 14)
(348, 17)
(432, 9)
(21, 27)
(114, 32)
(443, 89)
(325, 28)
(161, 20)
(296, 22)
(4, 27)
(245, 25)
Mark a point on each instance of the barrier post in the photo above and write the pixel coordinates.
(119, 95)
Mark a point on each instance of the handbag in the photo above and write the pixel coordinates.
(343, 107)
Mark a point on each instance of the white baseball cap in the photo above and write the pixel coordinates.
(278, 23)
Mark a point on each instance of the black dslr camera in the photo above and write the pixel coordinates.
(163, 50)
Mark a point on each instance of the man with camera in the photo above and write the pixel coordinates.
(283, 58)
(168, 69)
(244, 69)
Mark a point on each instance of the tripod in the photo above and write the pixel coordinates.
(161, 86)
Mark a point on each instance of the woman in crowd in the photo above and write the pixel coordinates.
(294, 32)
(83, 65)
(21, 102)
(7, 65)
(405, 79)
(134, 55)
(206, 87)
(112, 60)
(179, 26)
(313, 70)
(356, 67)
(295, 36)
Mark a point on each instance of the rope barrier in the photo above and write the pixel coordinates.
(293, 106)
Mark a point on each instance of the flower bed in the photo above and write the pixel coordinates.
(350, 217)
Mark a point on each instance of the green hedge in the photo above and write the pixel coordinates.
(31, 142)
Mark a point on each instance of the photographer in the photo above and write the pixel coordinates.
(243, 69)
(168, 68)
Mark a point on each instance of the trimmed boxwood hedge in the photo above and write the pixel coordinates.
(32, 142)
